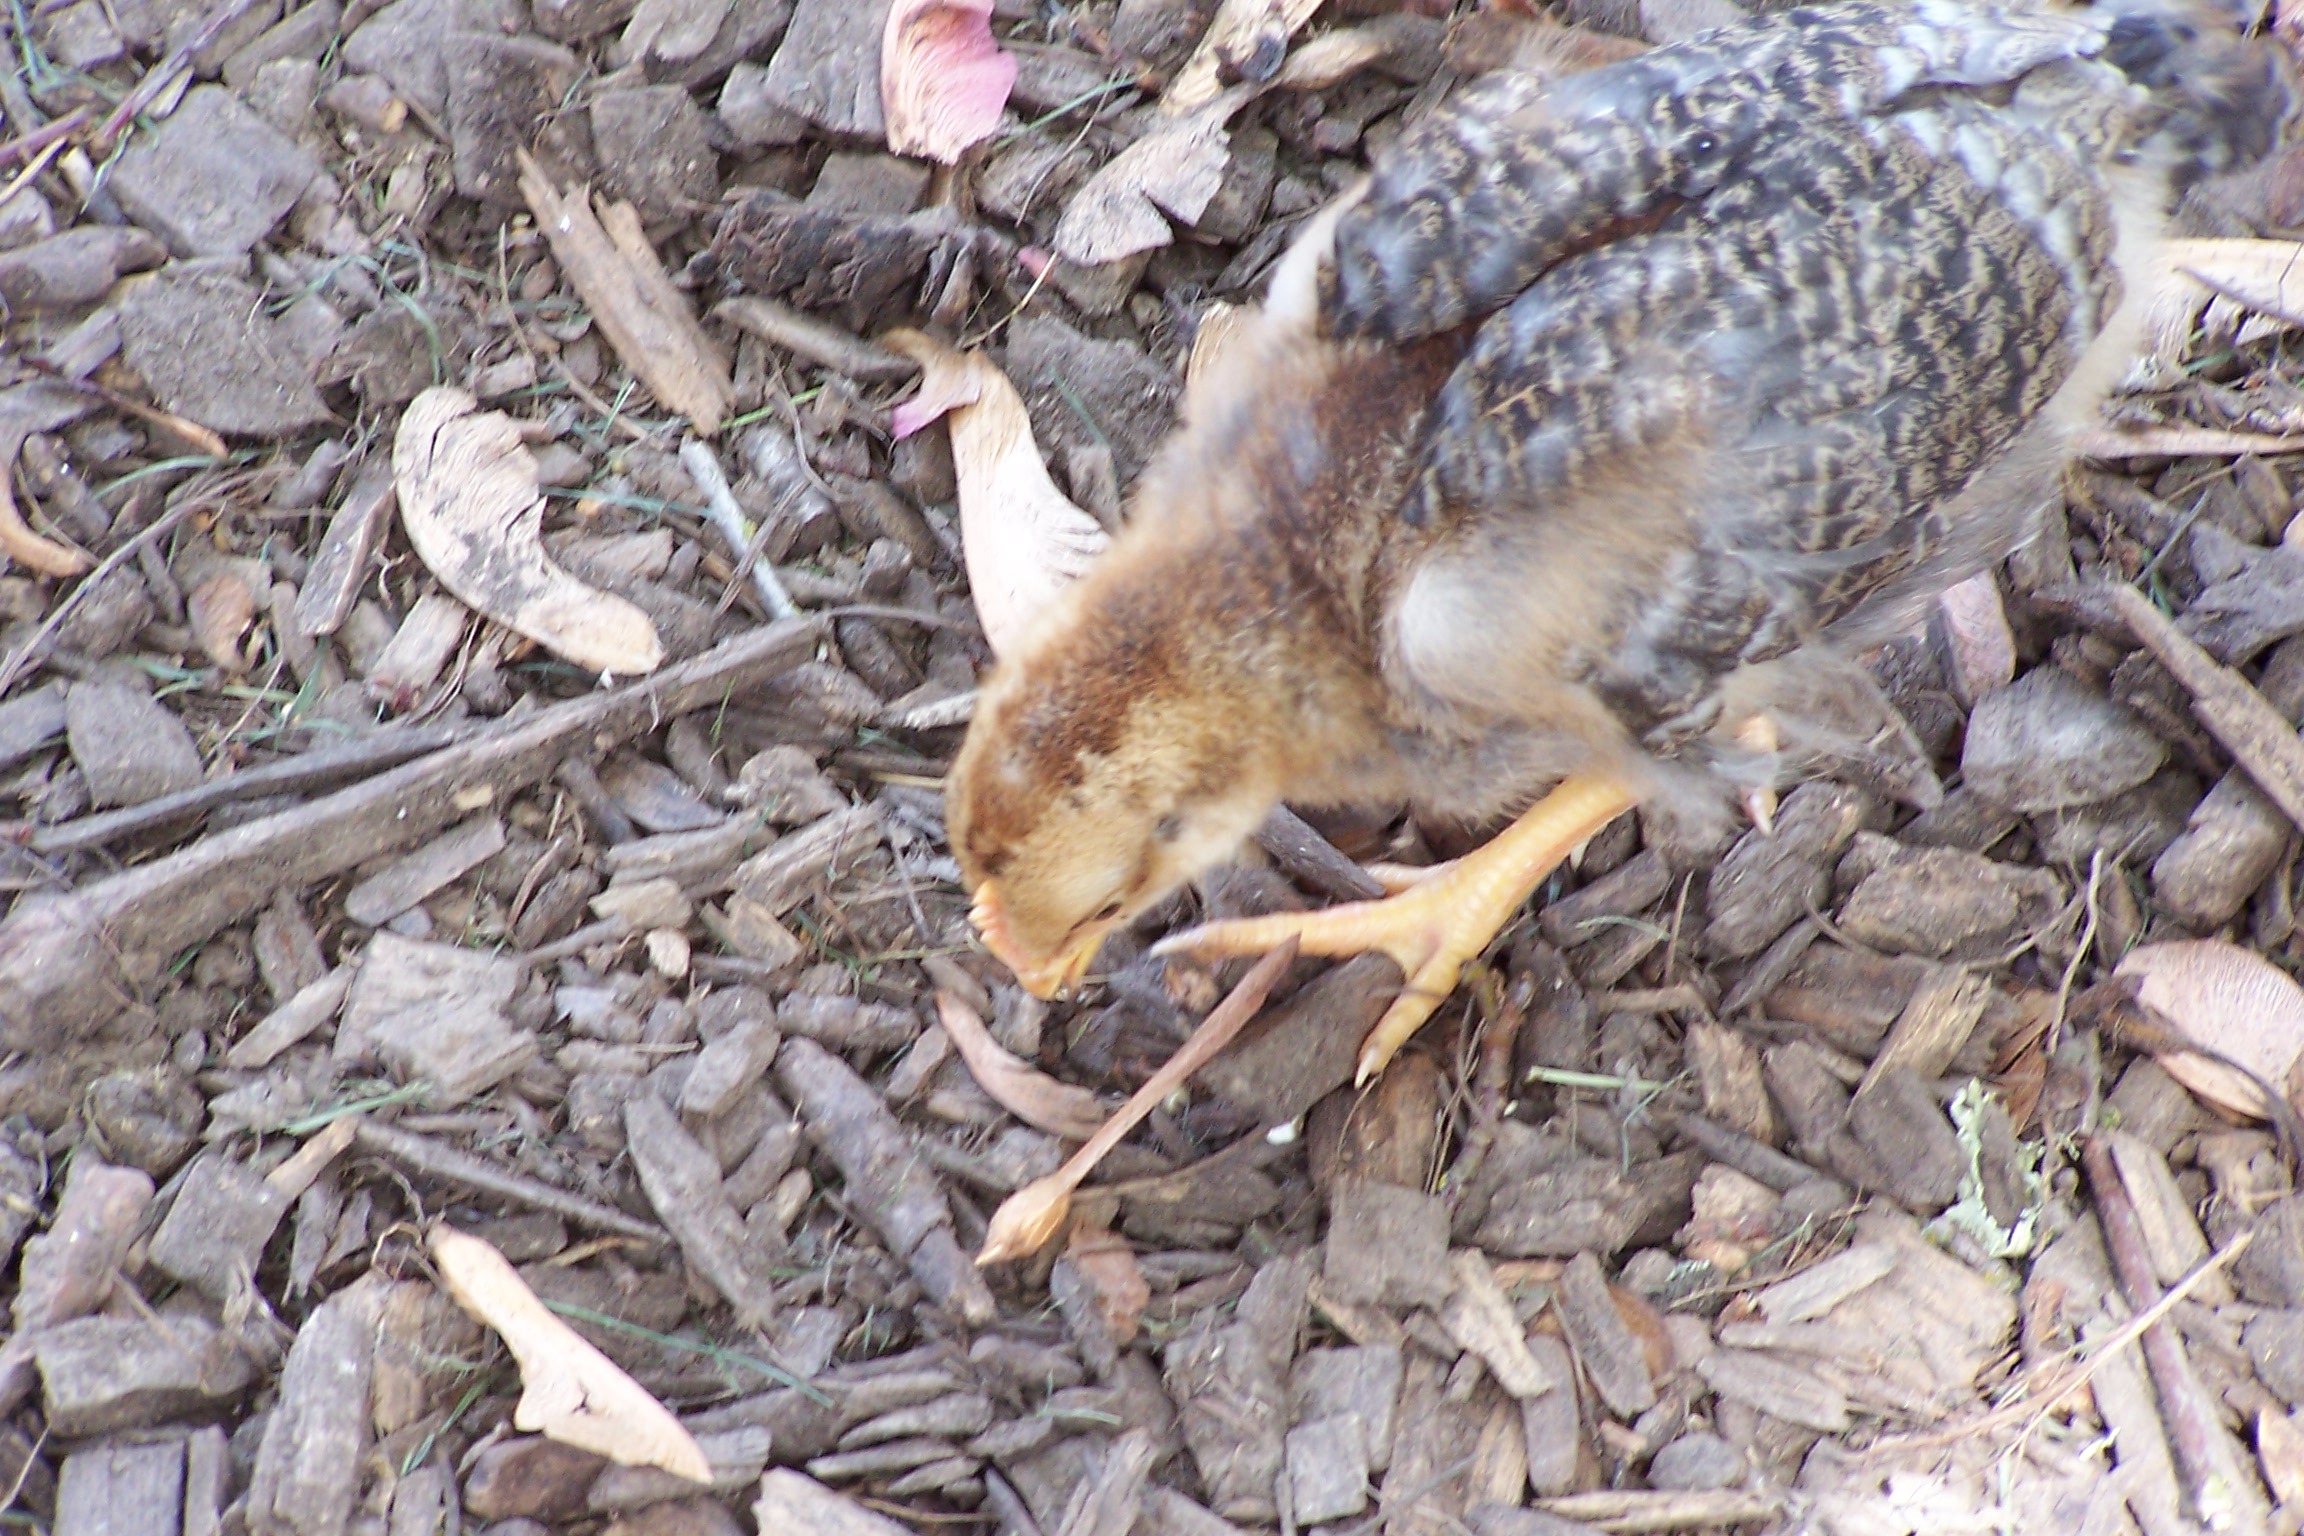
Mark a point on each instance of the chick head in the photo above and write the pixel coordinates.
(1091, 785)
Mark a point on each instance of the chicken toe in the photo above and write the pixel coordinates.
(1432, 927)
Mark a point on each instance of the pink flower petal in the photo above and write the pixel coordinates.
(941, 390)
(943, 80)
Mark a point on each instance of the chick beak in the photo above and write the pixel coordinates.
(1048, 977)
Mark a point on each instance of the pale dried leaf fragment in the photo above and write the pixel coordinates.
(1023, 542)
(20, 544)
(472, 507)
(1032, 1096)
(1335, 57)
(2280, 1453)
(608, 261)
(1978, 643)
(943, 80)
(571, 1392)
(2248, 289)
(1172, 172)
(1494, 38)
(673, 31)
(1480, 1317)
(219, 611)
(2228, 1000)
(1248, 39)
(292, 1177)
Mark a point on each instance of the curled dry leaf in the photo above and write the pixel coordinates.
(1336, 56)
(571, 1392)
(1174, 170)
(219, 611)
(943, 80)
(1022, 540)
(1103, 1258)
(1528, 42)
(943, 389)
(1248, 40)
(19, 543)
(2228, 1000)
(472, 507)
(1032, 1096)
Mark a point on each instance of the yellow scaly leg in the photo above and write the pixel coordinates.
(1432, 927)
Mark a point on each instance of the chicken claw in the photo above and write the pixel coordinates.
(1433, 926)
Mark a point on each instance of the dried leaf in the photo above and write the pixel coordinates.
(1528, 42)
(571, 1392)
(19, 543)
(1479, 1316)
(2280, 1452)
(418, 651)
(2229, 1000)
(1174, 170)
(673, 31)
(2262, 280)
(943, 80)
(473, 510)
(1104, 1259)
(24, 410)
(1032, 1096)
(1248, 39)
(1336, 56)
(1980, 646)
(1022, 540)
(292, 1177)
(219, 611)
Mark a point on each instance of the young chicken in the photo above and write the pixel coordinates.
(1584, 446)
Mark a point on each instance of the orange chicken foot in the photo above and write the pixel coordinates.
(1433, 926)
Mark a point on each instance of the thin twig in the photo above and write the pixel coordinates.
(25, 177)
(720, 503)
(162, 75)
(441, 1161)
(2212, 1475)
(32, 141)
(2079, 953)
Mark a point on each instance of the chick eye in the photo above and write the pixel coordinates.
(1108, 911)
(1168, 828)
(1703, 144)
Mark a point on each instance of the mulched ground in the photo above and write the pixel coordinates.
(1804, 1181)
